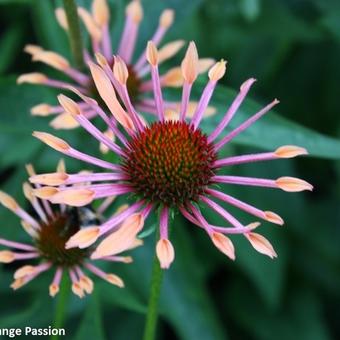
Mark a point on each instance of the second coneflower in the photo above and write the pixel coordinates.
(138, 84)
(170, 165)
(50, 228)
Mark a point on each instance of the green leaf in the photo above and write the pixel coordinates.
(250, 9)
(300, 317)
(16, 123)
(48, 31)
(91, 325)
(9, 45)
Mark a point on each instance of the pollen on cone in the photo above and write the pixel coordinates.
(24, 271)
(289, 151)
(190, 64)
(53, 289)
(52, 141)
(292, 184)
(167, 18)
(217, 71)
(115, 280)
(83, 238)
(69, 105)
(41, 110)
(224, 244)
(32, 78)
(152, 53)
(274, 218)
(45, 192)
(52, 179)
(8, 202)
(73, 197)
(165, 253)
(121, 239)
(6, 256)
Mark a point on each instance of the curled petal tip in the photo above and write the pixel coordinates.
(261, 244)
(135, 11)
(8, 202)
(52, 179)
(290, 151)
(41, 110)
(53, 289)
(152, 53)
(273, 218)
(115, 280)
(167, 17)
(78, 290)
(52, 141)
(223, 244)
(292, 184)
(45, 192)
(24, 271)
(120, 71)
(122, 239)
(32, 78)
(101, 60)
(69, 105)
(217, 71)
(101, 12)
(165, 253)
(190, 64)
(6, 256)
(253, 225)
(73, 197)
(83, 238)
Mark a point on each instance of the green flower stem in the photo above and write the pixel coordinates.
(152, 313)
(74, 32)
(61, 304)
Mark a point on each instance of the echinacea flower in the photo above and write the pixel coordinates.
(50, 229)
(169, 165)
(97, 24)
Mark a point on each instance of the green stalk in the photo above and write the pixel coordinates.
(60, 307)
(74, 32)
(152, 312)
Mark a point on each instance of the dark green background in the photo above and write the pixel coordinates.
(293, 48)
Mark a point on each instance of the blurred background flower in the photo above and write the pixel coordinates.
(293, 47)
(50, 227)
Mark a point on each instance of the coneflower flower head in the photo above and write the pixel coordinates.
(168, 165)
(132, 73)
(50, 229)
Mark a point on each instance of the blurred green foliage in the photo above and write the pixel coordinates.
(293, 48)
